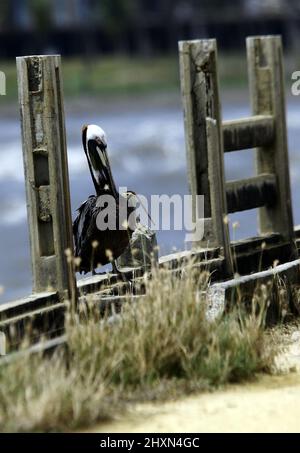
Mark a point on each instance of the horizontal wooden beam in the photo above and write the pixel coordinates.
(251, 193)
(30, 303)
(43, 347)
(247, 133)
(242, 288)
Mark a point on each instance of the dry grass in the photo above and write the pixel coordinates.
(160, 347)
(43, 395)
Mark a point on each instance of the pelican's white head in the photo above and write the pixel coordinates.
(96, 133)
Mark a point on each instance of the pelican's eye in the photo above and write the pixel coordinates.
(101, 142)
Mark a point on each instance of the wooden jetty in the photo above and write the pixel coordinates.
(208, 137)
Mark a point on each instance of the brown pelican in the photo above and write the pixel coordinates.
(93, 246)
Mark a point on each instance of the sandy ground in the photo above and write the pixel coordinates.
(271, 404)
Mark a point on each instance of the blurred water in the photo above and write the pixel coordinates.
(146, 149)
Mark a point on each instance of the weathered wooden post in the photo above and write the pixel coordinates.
(204, 139)
(267, 96)
(2, 84)
(46, 173)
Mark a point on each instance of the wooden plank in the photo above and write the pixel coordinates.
(43, 347)
(173, 260)
(194, 94)
(248, 133)
(200, 97)
(218, 205)
(242, 288)
(32, 302)
(251, 193)
(267, 96)
(46, 173)
(262, 256)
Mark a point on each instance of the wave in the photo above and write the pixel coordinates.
(127, 150)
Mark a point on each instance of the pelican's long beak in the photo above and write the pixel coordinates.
(99, 165)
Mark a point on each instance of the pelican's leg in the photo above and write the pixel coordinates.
(114, 268)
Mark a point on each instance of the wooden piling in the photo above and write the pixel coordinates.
(267, 97)
(204, 138)
(46, 173)
(193, 92)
